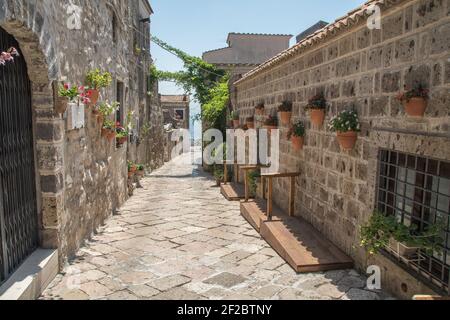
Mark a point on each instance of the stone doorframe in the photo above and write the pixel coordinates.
(38, 50)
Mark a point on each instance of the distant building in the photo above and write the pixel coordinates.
(245, 52)
(176, 110)
(319, 25)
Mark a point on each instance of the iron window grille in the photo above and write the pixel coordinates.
(416, 190)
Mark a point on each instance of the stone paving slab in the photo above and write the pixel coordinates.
(178, 238)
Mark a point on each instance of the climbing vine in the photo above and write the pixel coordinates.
(214, 112)
(197, 78)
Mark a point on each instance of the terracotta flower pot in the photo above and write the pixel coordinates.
(100, 118)
(122, 140)
(251, 125)
(297, 142)
(130, 174)
(416, 107)
(61, 104)
(236, 124)
(347, 140)
(317, 117)
(105, 132)
(111, 135)
(285, 117)
(93, 96)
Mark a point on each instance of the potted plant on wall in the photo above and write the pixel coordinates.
(250, 122)
(271, 123)
(297, 135)
(254, 177)
(108, 130)
(259, 109)
(285, 111)
(385, 232)
(121, 135)
(415, 100)
(140, 170)
(235, 119)
(66, 94)
(97, 80)
(347, 126)
(132, 168)
(317, 106)
(105, 109)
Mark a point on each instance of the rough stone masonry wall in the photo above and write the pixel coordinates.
(82, 178)
(365, 69)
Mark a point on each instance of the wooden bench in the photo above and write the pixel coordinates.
(232, 191)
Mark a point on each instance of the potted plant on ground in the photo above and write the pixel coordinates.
(121, 135)
(218, 175)
(297, 135)
(385, 232)
(132, 168)
(347, 126)
(235, 118)
(285, 111)
(415, 101)
(259, 109)
(317, 106)
(251, 122)
(271, 123)
(254, 177)
(97, 80)
(140, 170)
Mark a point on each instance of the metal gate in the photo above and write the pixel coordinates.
(18, 209)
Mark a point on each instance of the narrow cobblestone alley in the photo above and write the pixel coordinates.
(178, 238)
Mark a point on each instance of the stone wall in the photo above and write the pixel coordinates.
(366, 69)
(82, 177)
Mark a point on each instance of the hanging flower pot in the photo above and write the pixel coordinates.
(415, 101)
(297, 143)
(285, 110)
(317, 117)
(297, 135)
(121, 140)
(347, 126)
(93, 95)
(105, 132)
(61, 104)
(111, 136)
(416, 107)
(347, 140)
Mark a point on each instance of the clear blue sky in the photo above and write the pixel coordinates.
(196, 26)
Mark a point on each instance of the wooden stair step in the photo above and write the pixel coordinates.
(295, 240)
(232, 191)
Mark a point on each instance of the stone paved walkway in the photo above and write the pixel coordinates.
(178, 238)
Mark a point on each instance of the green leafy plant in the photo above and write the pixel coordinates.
(107, 109)
(376, 235)
(70, 92)
(417, 92)
(252, 181)
(214, 112)
(131, 166)
(140, 167)
(109, 125)
(97, 79)
(318, 102)
(285, 106)
(145, 129)
(297, 130)
(345, 121)
(218, 173)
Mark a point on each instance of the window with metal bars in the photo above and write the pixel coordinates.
(416, 190)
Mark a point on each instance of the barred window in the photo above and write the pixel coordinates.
(416, 191)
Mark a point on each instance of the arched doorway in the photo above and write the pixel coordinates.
(18, 204)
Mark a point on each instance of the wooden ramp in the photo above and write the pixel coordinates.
(232, 191)
(303, 247)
